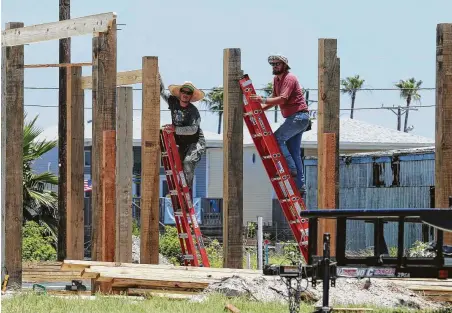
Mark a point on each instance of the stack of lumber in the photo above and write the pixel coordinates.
(432, 289)
(42, 272)
(139, 279)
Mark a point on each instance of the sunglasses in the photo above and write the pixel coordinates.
(187, 92)
(276, 63)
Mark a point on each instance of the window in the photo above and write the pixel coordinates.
(87, 158)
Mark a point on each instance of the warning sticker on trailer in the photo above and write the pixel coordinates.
(365, 272)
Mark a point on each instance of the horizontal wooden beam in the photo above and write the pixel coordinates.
(122, 79)
(57, 30)
(57, 65)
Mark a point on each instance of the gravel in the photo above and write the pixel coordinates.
(136, 252)
(381, 293)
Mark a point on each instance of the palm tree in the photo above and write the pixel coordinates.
(40, 204)
(350, 86)
(409, 91)
(214, 102)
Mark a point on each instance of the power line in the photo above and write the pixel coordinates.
(214, 111)
(264, 89)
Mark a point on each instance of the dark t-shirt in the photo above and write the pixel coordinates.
(186, 121)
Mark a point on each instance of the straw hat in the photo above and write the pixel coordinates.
(279, 57)
(197, 94)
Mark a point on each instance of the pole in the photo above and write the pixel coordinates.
(260, 239)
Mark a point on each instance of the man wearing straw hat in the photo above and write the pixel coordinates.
(186, 122)
(287, 93)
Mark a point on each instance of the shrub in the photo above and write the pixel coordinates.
(170, 246)
(36, 244)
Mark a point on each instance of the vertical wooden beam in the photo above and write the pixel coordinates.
(124, 168)
(109, 195)
(12, 143)
(232, 160)
(64, 57)
(75, 165)
(328, 122)
(104, 118)
(150, 162)
(443, 142)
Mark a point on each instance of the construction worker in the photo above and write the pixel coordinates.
(287, 93)
(186, 122)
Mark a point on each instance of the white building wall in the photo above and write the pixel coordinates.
(257, 190)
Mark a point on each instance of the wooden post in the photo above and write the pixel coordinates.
(64, 57)
(232, 160)
(150, 162)
(104, 118)
(109, 195)
(12, 143)
(443, 142)
(328, 137)
(75, 165)
(124, 168)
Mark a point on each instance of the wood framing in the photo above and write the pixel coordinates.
(124, 168)
(122, 79)
(104, 118)
(328, 122)
(150, 162)
(232, 160)
(109, 195)
(57, 30)
(57, 65)
(64, 55)
(443, 141)
(12, 142)
(75, 165)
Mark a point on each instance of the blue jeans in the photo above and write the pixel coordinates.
(288, 136)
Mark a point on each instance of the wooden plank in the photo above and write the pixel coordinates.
(75, 165)
(124, 168)
(328, 122)
(82, 264)
(443, 140)
(233, 160)
(328, 155)
(57, 30)
(104, 118)
(64, 52)
(144, 283)
(57, 65)
(150, 162)
(12, 142)
(122, 79)
(109, 195)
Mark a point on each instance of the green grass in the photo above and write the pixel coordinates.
(33, 303)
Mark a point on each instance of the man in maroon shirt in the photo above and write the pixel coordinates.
(287, 93)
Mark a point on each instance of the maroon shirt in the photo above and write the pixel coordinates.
(289, 88)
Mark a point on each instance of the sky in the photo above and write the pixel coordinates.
(382, 41)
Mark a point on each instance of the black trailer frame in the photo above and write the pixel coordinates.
(420, 267)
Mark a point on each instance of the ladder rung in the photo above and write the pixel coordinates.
(248, 114)
(256, 135)
(173, 192)
(188, 257)
(168, 172)
(178, 213)
(183, 235)
(275, 178)
(164, 154)
(304, 243)
(266, 157)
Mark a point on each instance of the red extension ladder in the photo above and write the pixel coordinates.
(184, 212)
(276, 166)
